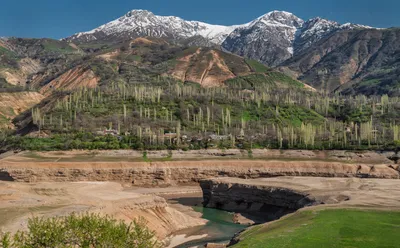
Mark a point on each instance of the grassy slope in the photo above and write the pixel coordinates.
(257, 66)
(6, 52)
(271, 78)
(8, 59)
(328, 228)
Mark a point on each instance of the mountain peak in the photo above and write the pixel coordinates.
(280, 30)
(136, 12)
(319, 20)
(138, 22)
(278, 17)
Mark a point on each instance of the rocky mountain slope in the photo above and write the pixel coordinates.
(277, 36)
(353, 61)
(30, 61)
(269, 38)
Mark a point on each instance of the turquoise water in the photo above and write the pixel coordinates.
(220, 228)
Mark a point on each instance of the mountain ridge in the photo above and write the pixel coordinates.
(144, 23)
(139, 22)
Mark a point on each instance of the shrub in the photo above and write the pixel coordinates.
(88, 230)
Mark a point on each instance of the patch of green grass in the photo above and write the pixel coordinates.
(250, 82)
(4, 51)
(257, 66)
(8, 59)
(369, 82)
(259, 81)
(136, 58)
(187, 51)
(282, 78)
(327, 228)
(296, 115)
(94, 45)
(130, 57)
(56, 46)
(4, 120)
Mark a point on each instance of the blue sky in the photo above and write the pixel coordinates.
(61, 18)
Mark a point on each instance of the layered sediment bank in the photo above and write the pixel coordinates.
(185, 172)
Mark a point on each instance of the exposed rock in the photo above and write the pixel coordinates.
(268, 38)
(383, 171)
(240, 219)
(215, 245)
(269, 201)
(362, 156)
(351, 61)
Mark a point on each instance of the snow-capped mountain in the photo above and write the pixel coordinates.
(138, 23)
(317, 28)
(271, 38)
(268, 38)
(279, 35)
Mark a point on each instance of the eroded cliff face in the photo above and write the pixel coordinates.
(268, 202)
(186, 172)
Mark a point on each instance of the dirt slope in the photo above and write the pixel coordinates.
(21, 201)
(78, 77)
(12, 104)
(209, 67)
